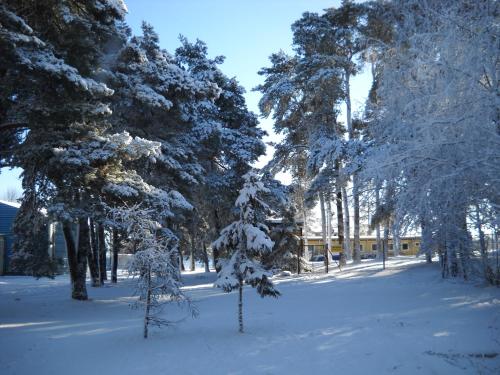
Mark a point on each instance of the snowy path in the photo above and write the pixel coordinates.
(363, 320)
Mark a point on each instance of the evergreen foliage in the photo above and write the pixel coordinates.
(245, 240)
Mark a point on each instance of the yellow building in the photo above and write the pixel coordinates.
(409, 245)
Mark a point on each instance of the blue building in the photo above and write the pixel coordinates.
(8, 212)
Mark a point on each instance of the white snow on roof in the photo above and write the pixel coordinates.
(415, 236)
(12, 204)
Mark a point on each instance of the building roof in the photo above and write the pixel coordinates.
(11, 204)
(18, 205)
(370, 237)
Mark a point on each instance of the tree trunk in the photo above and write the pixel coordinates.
(93, 257)
(340, 216)
(79, 291)
(240, 306)
(116, 249)
(215, 252)
(148, 306)
(347, 229)
(356, 251)
(181, 258)
(385, 246)
(377, 226)
(425, 245)
(452, 263)
(428, 258)
(465, 245)
(328, 248)
(205, 258)
(355, 195)
(488, 271)
(304, 230)
(301, 244)
(103, 274)
(323, 218)
(396, 237)
(191, 255)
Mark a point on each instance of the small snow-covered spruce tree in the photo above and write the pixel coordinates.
(245, 240)
(154, 264)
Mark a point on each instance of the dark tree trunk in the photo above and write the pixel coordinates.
(193, 248)
(240, 306)
(385, 245)
(77, 260)
(299, 248)
(377, 225)
(148, 306)
(93, 257)
(215, 252)
(356, 253)
(181, 258)
(205, 258)
(425, 244)
(71, 250)
(323, 219)
(443, 263)
(216, 256)
(103, 275)
(328, 246)
(489, 275)
(340, 220)
(451, 258)
(116, 249)
(465, 246)
(347, 253)
(94, 269)
(79, 291)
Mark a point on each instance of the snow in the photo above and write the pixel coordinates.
(121, 190)
(257, 239)
(119, 6)
(362, 320)
(11, 204)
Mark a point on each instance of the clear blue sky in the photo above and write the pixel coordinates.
(245, 31)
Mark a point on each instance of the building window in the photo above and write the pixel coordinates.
(417, 244)
(405, 246)
(391, 246)
(360, 247)
(374, 247)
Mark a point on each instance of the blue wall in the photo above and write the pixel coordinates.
(8, 212)
(7, 215)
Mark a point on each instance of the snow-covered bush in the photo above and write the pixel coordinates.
(155, 263)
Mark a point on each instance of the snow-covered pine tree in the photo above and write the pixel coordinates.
(30, 256)
(95, 169)
(246, 239)
(332, 44)
(287, 253)
(228, 137)
(155, 263)
(287, 97)
(51, 97)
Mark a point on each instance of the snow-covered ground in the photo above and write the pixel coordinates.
(363, 320)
